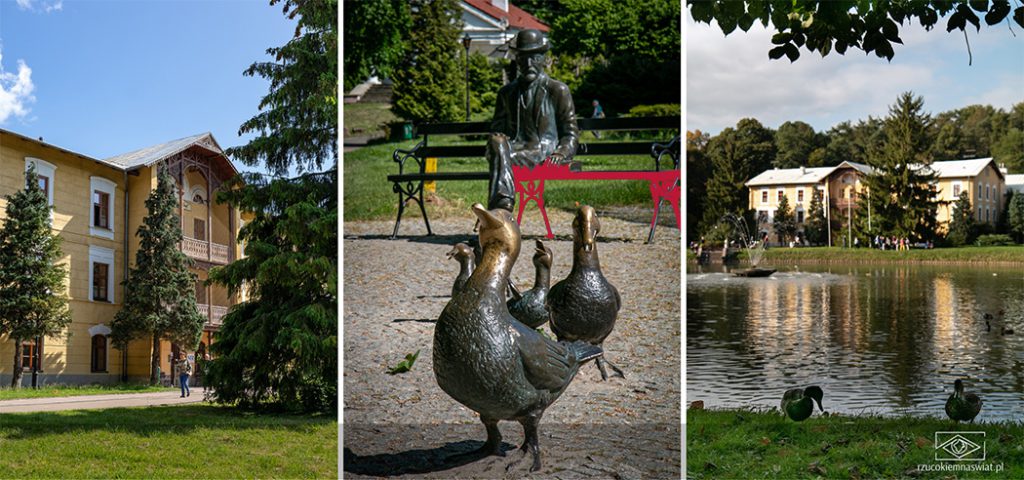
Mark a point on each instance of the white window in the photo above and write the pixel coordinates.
(956, 189)
(800, 195)
(979, 214)
(45, 170)
(101, 264)
(101, 207)
(799, 216)
(780, 194)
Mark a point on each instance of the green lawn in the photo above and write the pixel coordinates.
(7, 393)
(742, 444)
(1011, 254)
(367, 119)
(167, 442)
(368, 194)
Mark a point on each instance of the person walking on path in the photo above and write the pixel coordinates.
(203, 364)
(598, 113)
(184, 371)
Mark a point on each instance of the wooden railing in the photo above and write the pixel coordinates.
(205, 251)
(215, 314)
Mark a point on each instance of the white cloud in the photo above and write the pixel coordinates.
(54, 7)
(47, 6)
(15, 91)
(730, 78)
(25, 3)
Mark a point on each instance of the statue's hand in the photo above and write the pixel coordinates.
(558, 159)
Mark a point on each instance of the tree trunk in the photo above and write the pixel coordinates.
(154, 364)
(18, 368)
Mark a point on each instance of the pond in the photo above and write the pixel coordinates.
(881, 339)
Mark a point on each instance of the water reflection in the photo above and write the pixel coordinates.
(879, 339)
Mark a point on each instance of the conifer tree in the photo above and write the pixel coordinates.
(1016, 216)
(278, 348)
(428, 82)
(32, 299)
(815, 229)
(160, 298)
(784, 222)
(962, 229)
(900, 187)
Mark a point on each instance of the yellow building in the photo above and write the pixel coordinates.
(98, 206)
(842, 187)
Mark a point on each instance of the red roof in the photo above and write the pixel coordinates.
(517, 17)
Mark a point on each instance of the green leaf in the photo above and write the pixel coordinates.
(969, 15)
(1018, 16)
(979, 5)
(745, 22)
(792, 52)
(956, 21)
(782, 38)
(702, 11)
(777, 52)
(404, 365)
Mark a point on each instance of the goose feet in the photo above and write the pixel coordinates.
(604, 374)
(491, 447)
(530, 445)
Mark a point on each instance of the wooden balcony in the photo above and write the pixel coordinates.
(206, 251)
(214, 314)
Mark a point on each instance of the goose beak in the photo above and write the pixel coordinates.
(487, 220)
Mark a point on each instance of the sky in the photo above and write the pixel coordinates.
(730, 77)
(105, 77)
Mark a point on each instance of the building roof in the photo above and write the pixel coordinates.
(790, 176)
(962, 168)
(145, 157)
(1015, 182)
(517, 17)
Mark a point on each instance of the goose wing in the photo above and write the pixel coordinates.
(549, 365)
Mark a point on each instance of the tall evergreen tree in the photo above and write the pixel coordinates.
(373, 36)
(784, 223)
(428, 82)
(815, 229)
(160, 296)
(902, 181)
(961, 227)
(279, 347)
(737, 154)
(32, 299)
(1016, 216)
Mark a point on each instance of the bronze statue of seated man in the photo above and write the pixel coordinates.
(534, 119)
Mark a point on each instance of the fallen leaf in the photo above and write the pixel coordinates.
(921, 442)
(912, 472)
(765, 441)
(404, 365)
(819, 428)
(697, 405)
(816, 469)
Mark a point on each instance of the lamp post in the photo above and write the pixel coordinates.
(465, 43)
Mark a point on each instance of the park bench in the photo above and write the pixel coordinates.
(664, 178)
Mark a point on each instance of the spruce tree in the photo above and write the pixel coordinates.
(1016, 216)
(962, 229)
(901, 184)
(32, 299)
(784, 222)
(160, 298)
(278, 349)
(429, 84)
(815, 229)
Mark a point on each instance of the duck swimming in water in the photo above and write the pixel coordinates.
(961, 406)
(797, 404)
(464, 255)
(584, 305)
(490, 362)
(529, 307)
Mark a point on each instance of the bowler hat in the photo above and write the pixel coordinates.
(531, 41)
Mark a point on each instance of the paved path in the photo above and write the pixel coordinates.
(83, 402)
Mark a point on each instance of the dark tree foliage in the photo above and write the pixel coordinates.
(1016, 216)
(698, 171)
(825, 25)
(278, 349)
(848, 142)
(962, 229)
(429, 81)
(815, 228)
(901, 185)
(297, 125)
(737, 155)
(546, 11)
(160, 296)
(485, 78)
(784, 222)
(373, 34)
(32, 299)
(796, 141)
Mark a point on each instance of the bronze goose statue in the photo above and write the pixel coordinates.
(490, 362)
(464, 255)
(962, 406)
(797, 404)
(584, 305)
(529, 307)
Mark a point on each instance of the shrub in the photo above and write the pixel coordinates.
(994, 240)
(657, 110)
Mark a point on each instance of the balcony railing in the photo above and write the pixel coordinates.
(205, 251)
(215, 314)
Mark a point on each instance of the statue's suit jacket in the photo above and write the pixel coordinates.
(543, 125)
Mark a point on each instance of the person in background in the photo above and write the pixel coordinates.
(184, 368)
(598, 113)
(203, 364)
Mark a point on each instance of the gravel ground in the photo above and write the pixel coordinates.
(406, 426)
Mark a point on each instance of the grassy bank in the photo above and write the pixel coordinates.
(960, 255)
(167, 442)
(368, 194)
(742, 444)
(367, 119)
(7, 393)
